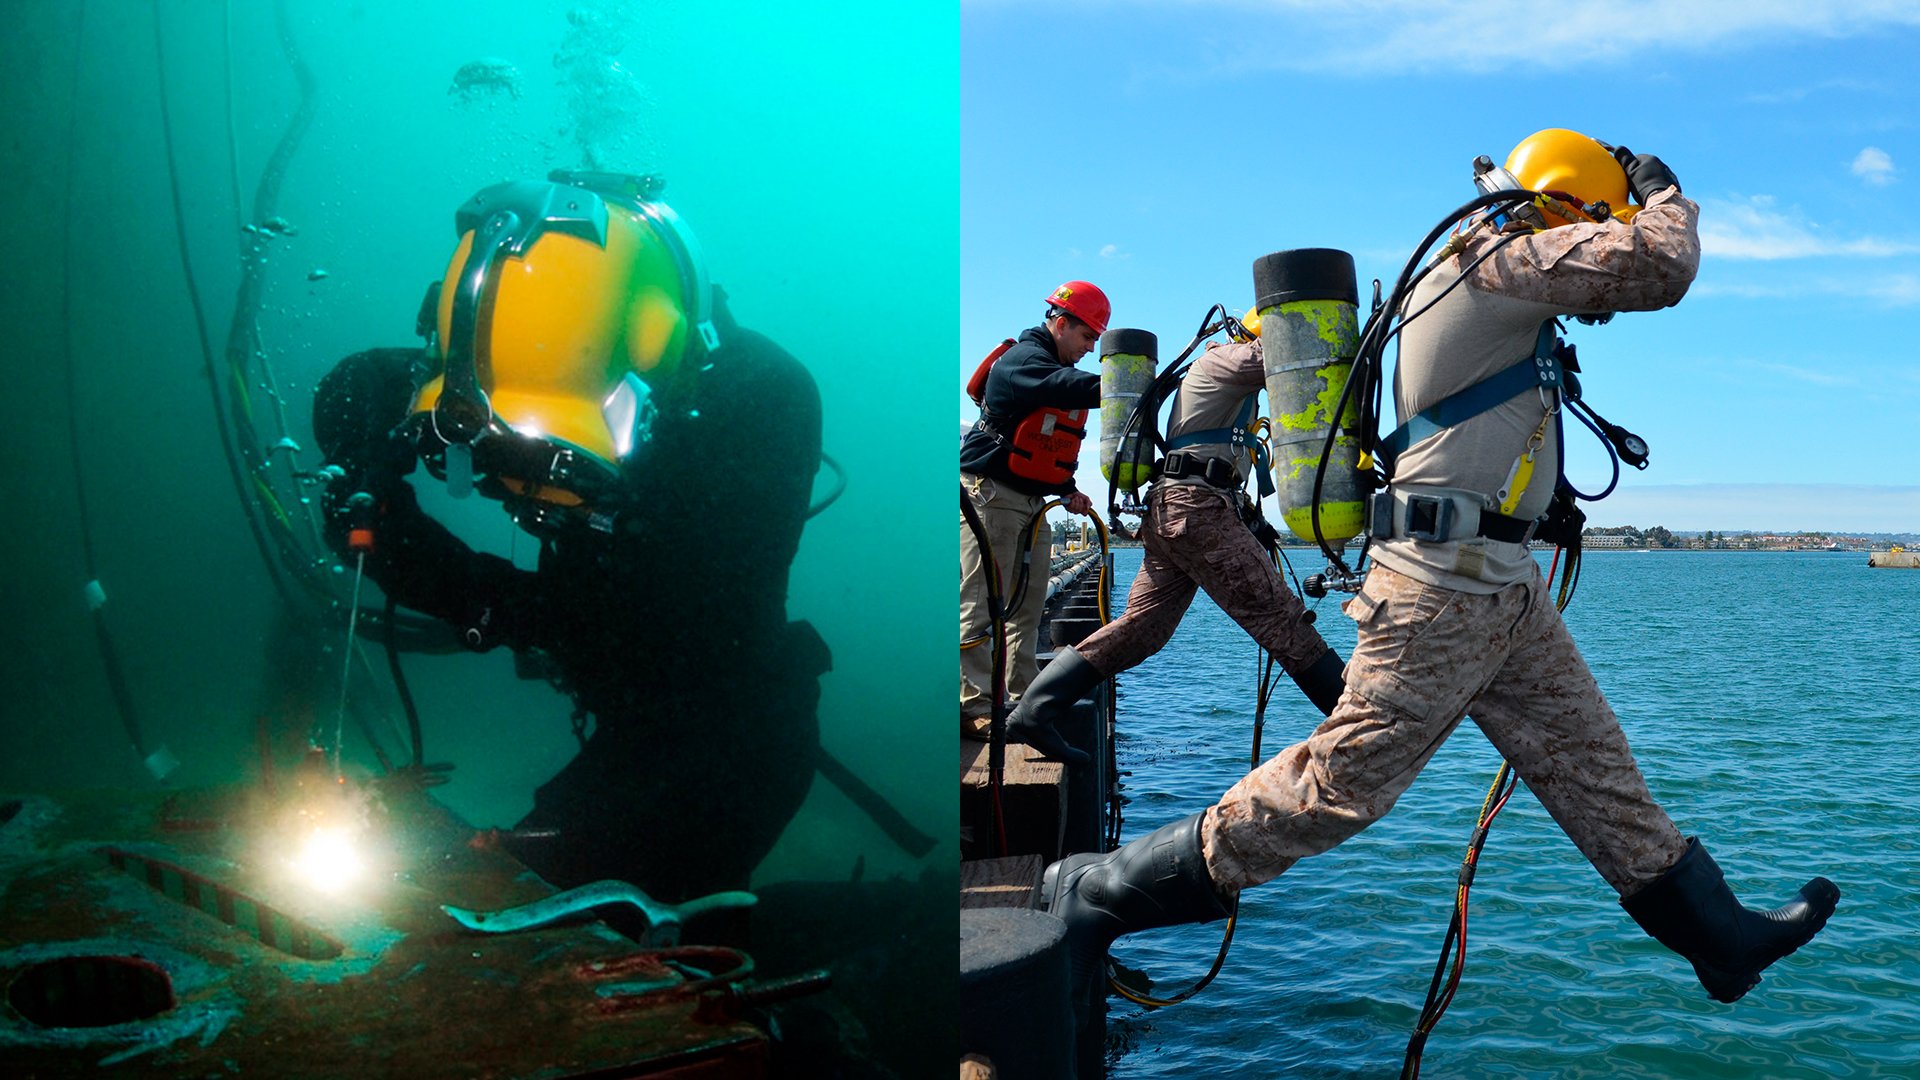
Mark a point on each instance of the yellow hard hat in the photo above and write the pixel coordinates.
(1251, 320)
(1558, 160)
(565, 302)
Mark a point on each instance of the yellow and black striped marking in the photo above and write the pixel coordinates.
(249, 916)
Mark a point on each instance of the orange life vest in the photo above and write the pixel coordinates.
(1045, 445)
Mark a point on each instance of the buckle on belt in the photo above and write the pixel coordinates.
(1440, 516)
(1429, 517)
(1217, 472)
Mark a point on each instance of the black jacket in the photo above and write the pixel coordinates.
(1027, 377)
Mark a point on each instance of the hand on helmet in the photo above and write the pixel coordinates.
(1647, 175)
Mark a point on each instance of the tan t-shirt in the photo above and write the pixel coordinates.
(1211, 395)
(1489, 322)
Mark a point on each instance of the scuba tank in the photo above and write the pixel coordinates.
(1308, 303)
(1127, 362)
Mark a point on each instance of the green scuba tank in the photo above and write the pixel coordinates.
(1308, 303)
(1127, 362)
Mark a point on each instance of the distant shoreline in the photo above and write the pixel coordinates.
(1592, 550)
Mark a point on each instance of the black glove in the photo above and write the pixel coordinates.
(1324, 682)
(1647, 175)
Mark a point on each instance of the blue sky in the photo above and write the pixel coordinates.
(1158, 148)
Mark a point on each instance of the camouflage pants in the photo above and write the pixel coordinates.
(1426, 657)
(1194, 540)
(1005, 513)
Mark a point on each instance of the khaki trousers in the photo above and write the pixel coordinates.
(1427, 657)
(1006, 514)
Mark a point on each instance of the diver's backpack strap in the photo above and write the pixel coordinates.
(1236, 435)
(1542, 370)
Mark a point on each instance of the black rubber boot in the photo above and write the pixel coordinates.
(1159, 879)
(1063, 682)
(1324, 682)
(1691, 911)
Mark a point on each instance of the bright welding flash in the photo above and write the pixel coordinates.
(328, 861)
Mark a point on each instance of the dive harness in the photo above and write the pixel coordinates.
(1439, 515)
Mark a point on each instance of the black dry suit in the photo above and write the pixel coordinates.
(667, 626)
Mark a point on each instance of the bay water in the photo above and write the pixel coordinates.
(1771, 700)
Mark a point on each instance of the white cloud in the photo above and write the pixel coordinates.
(1890, 290)
(1807, 375)
(1900, 290)
(1875, 166)
(1370, 36)
(1794, 94)
(1112, 251)
(1757, 228)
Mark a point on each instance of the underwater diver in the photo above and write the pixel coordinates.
(1455, 622)
(582, 371)
(1021, 452)
(1196, 533)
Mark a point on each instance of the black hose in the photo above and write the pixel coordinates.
(103, 635)
(400, 684)
(1368, 359)
(1139, 420)
(227, 436)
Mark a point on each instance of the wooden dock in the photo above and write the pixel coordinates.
(1046, 811)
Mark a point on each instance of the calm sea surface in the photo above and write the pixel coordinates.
(1771, 699)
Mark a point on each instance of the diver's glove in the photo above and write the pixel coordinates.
(1324, 682)
(1647, 175)
(425, 567)
(343, 503)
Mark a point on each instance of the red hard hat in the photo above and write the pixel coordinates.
(1084, 301)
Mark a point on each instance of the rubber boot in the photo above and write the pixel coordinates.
(1159, 879)
(1063, 682)
(1690, 910)
(1324, 682)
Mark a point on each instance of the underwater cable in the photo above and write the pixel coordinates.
(158, 761)
(347, 654)
(248, 498)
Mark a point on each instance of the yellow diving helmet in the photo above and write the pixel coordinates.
(565, 305)
(1251, 322)
(1568, 165)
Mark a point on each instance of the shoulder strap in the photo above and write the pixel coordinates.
(1541, 369)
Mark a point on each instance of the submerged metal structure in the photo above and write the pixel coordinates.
(153, 932)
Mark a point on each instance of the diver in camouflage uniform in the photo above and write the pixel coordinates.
(1463, 624)
(1195, 538)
